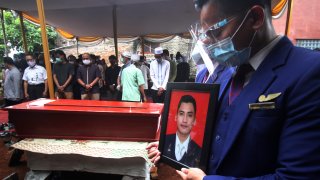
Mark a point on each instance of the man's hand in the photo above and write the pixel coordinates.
(111, 87)
(44, 94)
(191, 174)
(160, 91)
(26, 95)
(144, 98)
(88, 87)
(61, 88)
(153, 152)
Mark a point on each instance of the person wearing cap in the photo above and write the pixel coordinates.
(126, 61)
(88, 76)
(132, 81)
(12, 83)
(159, 72)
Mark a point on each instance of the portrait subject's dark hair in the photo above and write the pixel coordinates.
(188, 99)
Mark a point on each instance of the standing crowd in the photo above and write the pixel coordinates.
(89, 78)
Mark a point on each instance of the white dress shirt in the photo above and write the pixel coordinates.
(181, 147)
(258, 58)
(159, 73)
(35, 75)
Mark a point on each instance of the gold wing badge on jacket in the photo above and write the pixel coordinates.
(264, 102)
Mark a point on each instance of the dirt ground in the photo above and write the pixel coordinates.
(5, 170)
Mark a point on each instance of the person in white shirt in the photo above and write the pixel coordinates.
(180, 146)
(35, 79)
(159, 72)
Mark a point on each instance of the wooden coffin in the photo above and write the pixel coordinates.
(86, 119)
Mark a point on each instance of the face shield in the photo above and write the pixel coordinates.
(220, 50)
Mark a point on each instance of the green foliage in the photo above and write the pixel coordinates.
(33, 34)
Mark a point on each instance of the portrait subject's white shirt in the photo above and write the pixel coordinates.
(181, 148)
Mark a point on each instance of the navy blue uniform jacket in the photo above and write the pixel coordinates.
(279, 143)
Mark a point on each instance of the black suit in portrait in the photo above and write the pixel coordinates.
(191, 158)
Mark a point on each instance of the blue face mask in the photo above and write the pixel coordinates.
(225, 53)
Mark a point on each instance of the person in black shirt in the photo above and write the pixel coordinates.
(111, 76)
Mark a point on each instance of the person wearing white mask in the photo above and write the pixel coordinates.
(159, 72)
(35, 79)
(88, 77)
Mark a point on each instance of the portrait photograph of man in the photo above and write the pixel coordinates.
(180, 145)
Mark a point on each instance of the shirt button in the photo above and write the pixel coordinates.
(218, 137)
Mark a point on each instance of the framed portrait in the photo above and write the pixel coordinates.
(187, 124)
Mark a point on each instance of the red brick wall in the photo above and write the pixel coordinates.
(304, 20)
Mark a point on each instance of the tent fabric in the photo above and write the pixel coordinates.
(93, 20)
(278, 6)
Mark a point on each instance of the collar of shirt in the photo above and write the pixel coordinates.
(258, 58)
(184, 144)
(34, 67)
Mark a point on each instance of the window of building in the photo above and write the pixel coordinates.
(309, 43)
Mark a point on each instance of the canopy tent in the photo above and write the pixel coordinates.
(91, 20)
(94, 18)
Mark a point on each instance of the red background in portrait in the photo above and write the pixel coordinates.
(202, 100)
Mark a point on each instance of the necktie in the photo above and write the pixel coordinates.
(182, 151)
(238, 80)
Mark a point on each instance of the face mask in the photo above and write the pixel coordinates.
(58, 60)
(86, 61)
(123, 60)
(71, 62)
(224, 52)
(31, 63)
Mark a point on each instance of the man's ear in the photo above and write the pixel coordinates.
(194, 122)
(257, 17)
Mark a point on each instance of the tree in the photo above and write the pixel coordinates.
(33, 34)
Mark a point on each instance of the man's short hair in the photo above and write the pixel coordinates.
(32, 55)
(60, 52)
(231, 7)
(112, 57)
(166, 52)
(188, 99)
(8, 60)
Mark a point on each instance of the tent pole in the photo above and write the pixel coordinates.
(289, 17)
(45, 46)
(142, 45)
(4, 33)
(25, 47)
(77, 39)
(115, 33)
